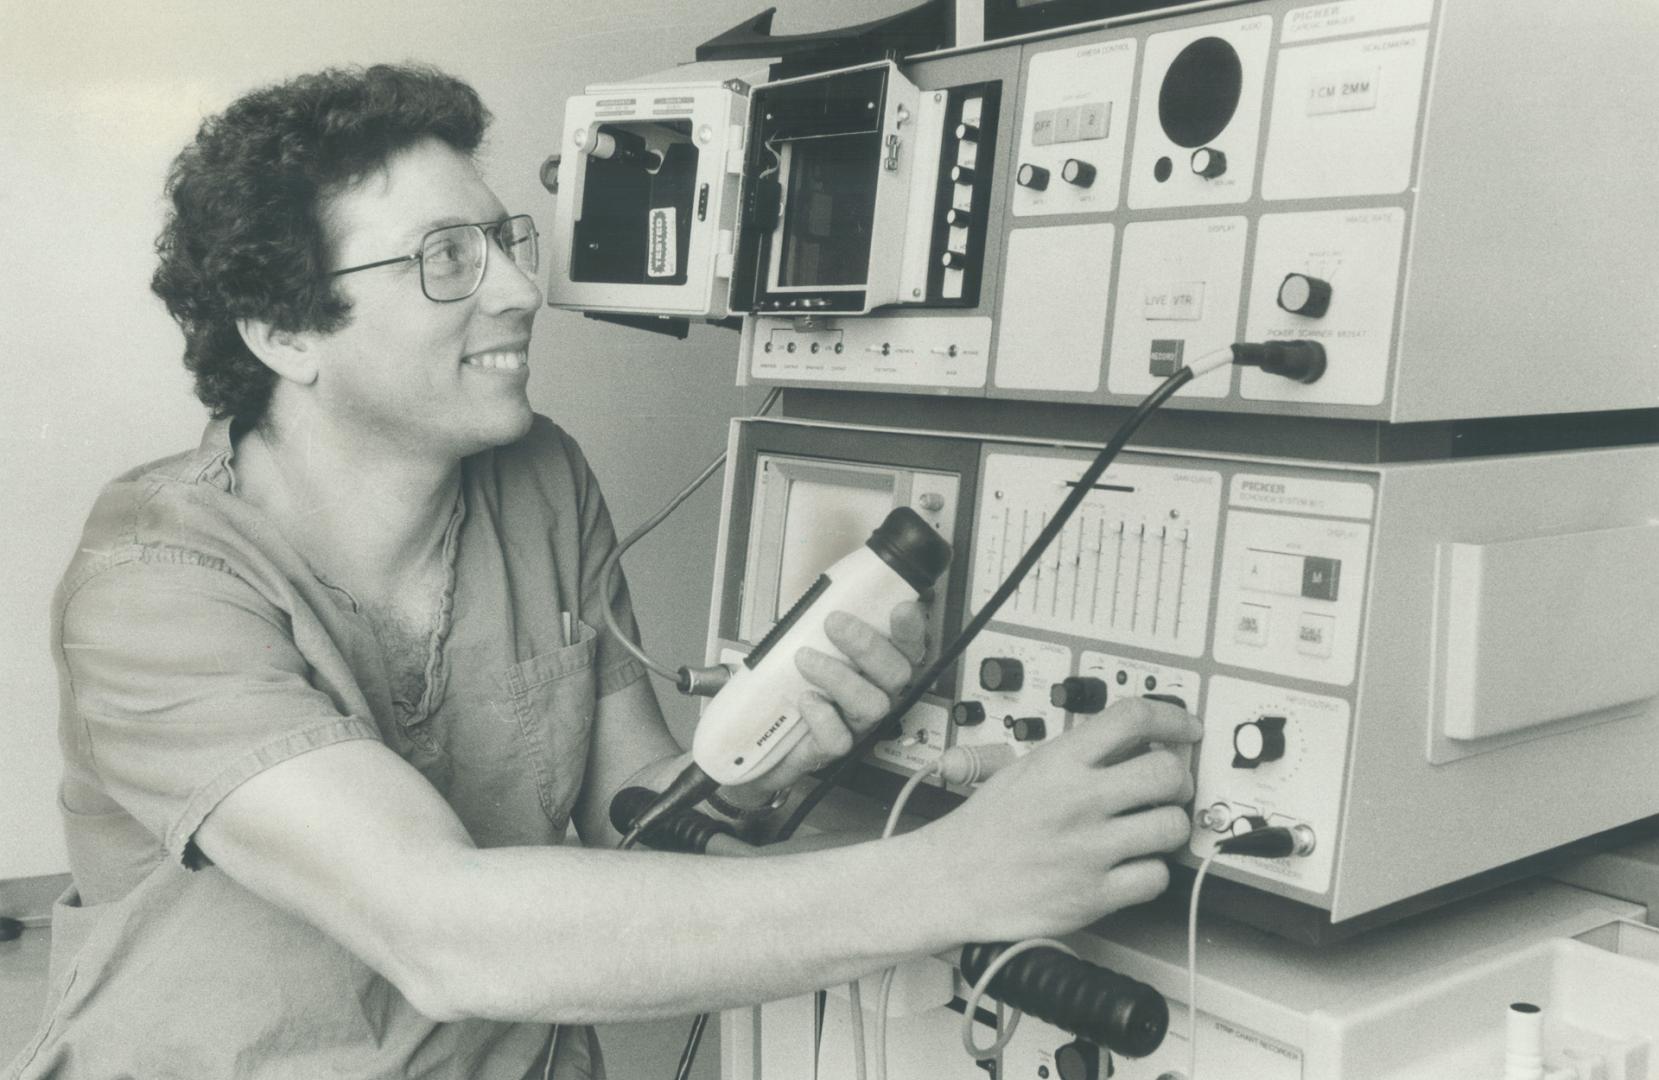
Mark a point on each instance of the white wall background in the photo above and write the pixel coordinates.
(97, 97)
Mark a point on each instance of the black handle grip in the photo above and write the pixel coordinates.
(687, 831)
(1096, 1003)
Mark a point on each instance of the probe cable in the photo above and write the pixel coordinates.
(919, 686)
(684, 677)
(1273, 842)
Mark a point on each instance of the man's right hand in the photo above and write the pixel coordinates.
(1073, 830)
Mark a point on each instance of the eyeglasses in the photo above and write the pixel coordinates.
(453, 258)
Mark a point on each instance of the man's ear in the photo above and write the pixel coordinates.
(286, 352)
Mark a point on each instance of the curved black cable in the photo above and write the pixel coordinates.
(1010, 585)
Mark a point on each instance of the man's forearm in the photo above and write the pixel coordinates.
(626, 936)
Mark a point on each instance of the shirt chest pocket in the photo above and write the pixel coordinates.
(552, 696)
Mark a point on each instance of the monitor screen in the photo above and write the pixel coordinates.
(823, 521)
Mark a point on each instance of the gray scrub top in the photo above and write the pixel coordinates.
(196, 649)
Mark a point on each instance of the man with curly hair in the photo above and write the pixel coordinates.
(331, 692)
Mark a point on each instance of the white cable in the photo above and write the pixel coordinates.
(1214, 360)
(992, 970)
(885, 995)
(1192, 968)
(853, 995)
(552, 1049)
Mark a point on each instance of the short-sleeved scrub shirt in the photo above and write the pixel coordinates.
(196, 648)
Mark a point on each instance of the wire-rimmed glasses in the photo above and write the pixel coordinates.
(453, 258)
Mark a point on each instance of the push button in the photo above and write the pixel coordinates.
(1250, 625)
(1313, 635)
(1320, 577)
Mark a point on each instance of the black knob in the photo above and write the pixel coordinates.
(1001, 673)
(1082, 1060)
(1027, 728)
(1034, 177)
(1208, 163)
(961, 174)
(1079, 694)
(966, 132)
(967, 713)
(1258, 741)
(953, 260)
(1077, 172)
(1301, 294)
(957, 216)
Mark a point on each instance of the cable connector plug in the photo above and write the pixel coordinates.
(1303, 361)
(703, 681)
(1273, 842)
(971, 764)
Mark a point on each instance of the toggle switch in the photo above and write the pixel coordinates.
(1208, 163)
(1302, 294)
(1077, 172)
(1034, 177)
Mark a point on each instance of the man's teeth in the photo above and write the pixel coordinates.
(505, 361)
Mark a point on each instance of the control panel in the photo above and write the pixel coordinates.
(1363, 718)
(1268, 171)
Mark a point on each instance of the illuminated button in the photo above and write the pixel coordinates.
(1066, 124)
(1208, 163)
(1300, 294)
(1094, 121)
(1078, 694)
(1030, 176)
(1320, 577)
(1313, 635)
(1001, 673)
(967, 714)
(1166, 356)
(1042, 128)
(1079, 173)
(1250, 625)
(966, 132)
(1027, 728)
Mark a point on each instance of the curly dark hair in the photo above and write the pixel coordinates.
(245, 235)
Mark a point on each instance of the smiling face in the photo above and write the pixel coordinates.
(408, 375)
